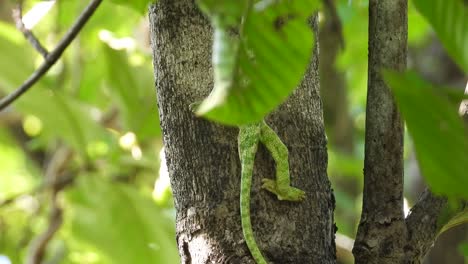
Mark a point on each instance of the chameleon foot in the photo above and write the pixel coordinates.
(289, 193)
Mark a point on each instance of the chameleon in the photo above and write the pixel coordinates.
(249, 137)
(227, 47)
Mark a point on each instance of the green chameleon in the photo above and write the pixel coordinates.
(226, 48)
(249, 136)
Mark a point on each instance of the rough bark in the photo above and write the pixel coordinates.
(203, 161)
(422, 223)
(381, 233)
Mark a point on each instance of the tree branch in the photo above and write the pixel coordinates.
(423, 221)
(53, 173)
(53, 56)
(422, 225)
(382, 231)
(17, 15)
(334, 21)
(38, 245)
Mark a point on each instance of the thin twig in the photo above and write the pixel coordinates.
(53, 173)
(53, 56)
(17, 15)
(39, 244)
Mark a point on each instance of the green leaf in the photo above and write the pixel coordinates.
(17, 170)
(120, 222)
(439, 135)
(13, 48)
(132, 88)
(464, 249)
(63, 117)
(139, 5)
(450, 21)
(455, 220)
(258, 69)
(344, 164)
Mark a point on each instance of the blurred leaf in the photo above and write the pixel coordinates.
(464, 249)
(16, 62)
(353, 60)
(346, 210)
(344, 164)
(450, 21)
(138, 5)
(15, 168)
(135, 98)
(417, 26)
(439, 135)
(455, 220)
(63, 117)
(120, 222)
(256, 71)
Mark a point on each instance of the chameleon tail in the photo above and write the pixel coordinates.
(246, 182)
(248, 143)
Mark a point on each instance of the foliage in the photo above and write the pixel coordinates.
(450, 20)
(99, 103)
(257, 69)
(100, 207)
(428, 118)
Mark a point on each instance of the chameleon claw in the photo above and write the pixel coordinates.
(287, 194)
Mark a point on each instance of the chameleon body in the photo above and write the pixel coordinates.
(249, 137)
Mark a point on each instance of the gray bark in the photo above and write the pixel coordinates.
(382, 234)
(203, 161)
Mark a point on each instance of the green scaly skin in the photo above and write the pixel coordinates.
(249, 136)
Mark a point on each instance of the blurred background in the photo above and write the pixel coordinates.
(80, 174)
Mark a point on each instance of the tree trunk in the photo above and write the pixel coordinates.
(382, 232)
(204, 166)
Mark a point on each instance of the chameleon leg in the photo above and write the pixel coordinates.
(248, 142)
(281, 186)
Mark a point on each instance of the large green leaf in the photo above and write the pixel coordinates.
(439, 135)
(121, 223)
(450, 21)
(258, 67)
